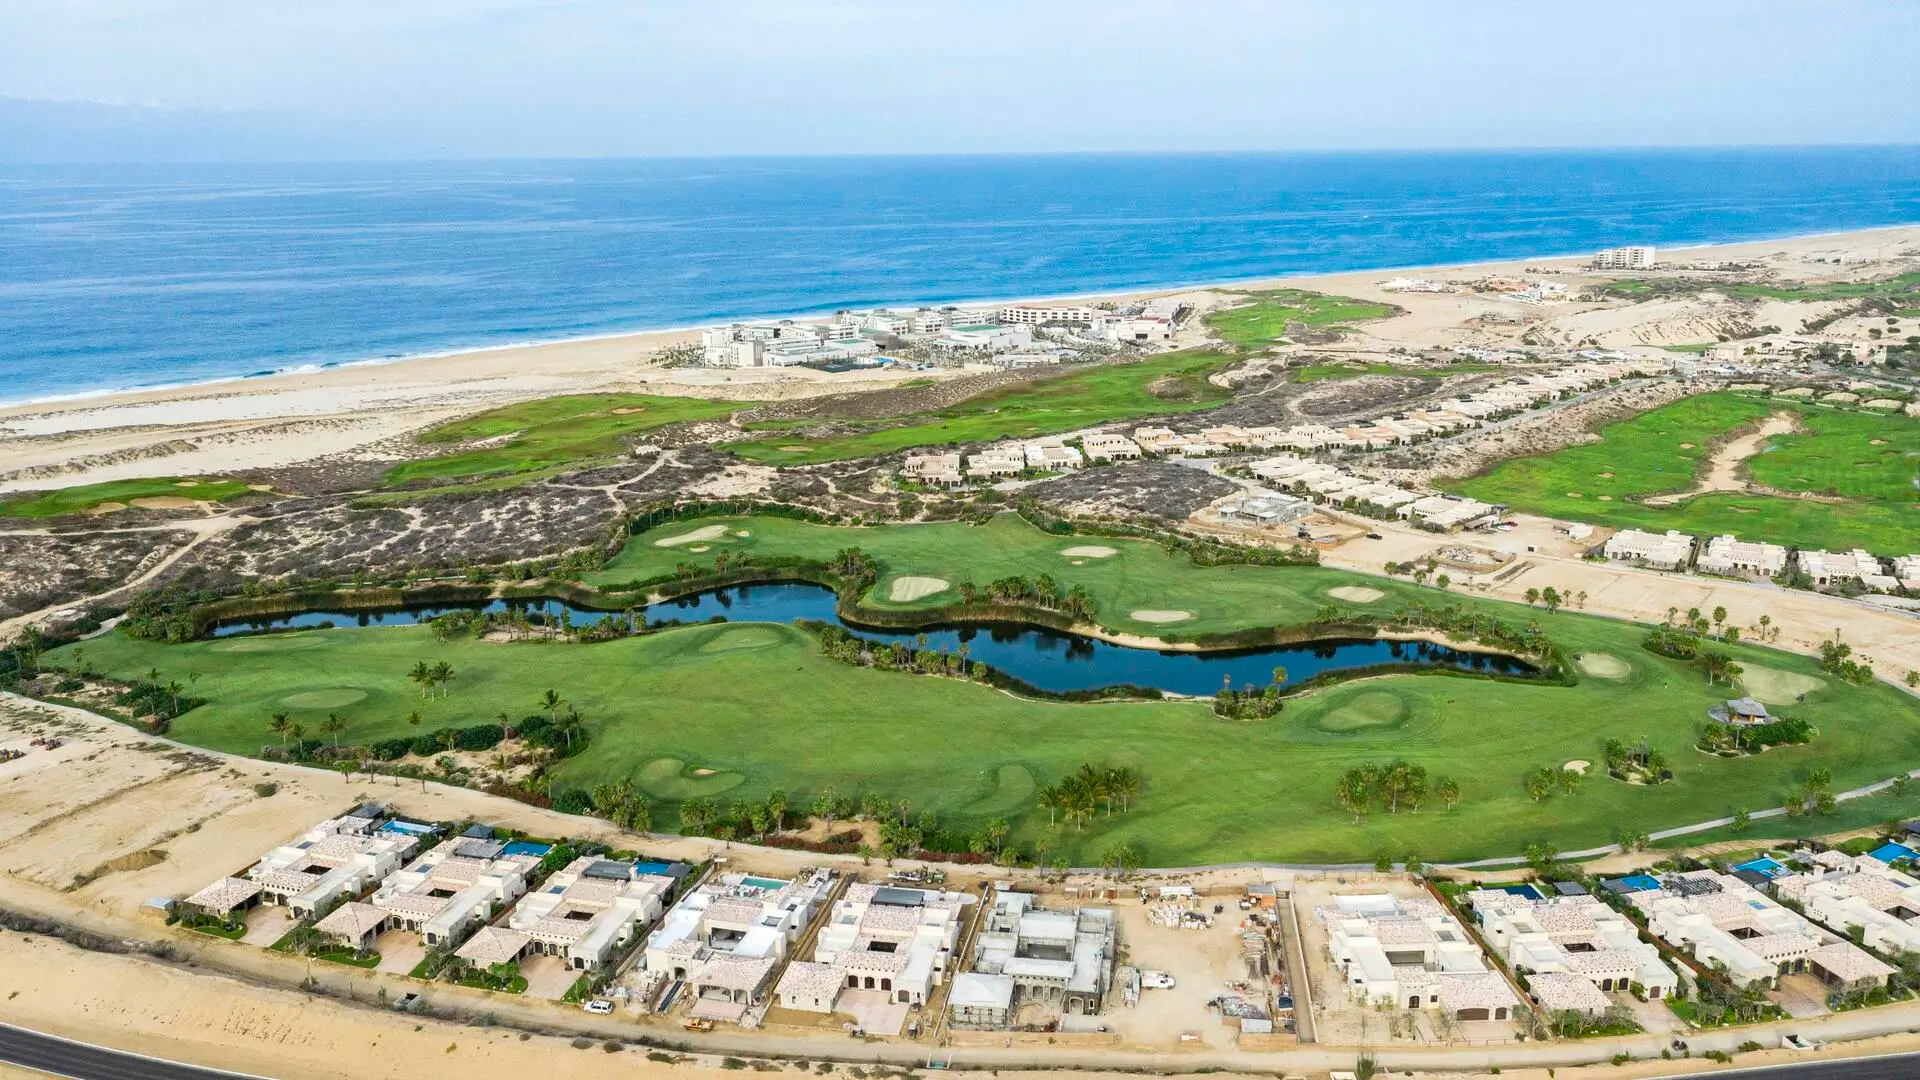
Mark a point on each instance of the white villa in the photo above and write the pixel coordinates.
(933, 468)
(1861, 892)
(1663, 551)
(727, 937)
(1024, 953)
(1718, 917)
(1109, 446)
(459, 883)
(588, 909)
(1743, 558)
(338, 858)
(1832, 567)
(896, 941)
(1572, 935)
(998, 461)
(1413, 953)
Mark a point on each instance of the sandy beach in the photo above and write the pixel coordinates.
(354, 410)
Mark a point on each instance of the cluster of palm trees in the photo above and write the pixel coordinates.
(1042, 591)
(1391, 787)
(622, 805)
(1542, 779)
(431, 677)
(1081, 793)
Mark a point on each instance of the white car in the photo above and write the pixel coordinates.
(599, 1006)
(1156, 980)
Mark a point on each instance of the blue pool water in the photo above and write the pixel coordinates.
(1048, 660)
(652, 867)
(1640, 882)
(1531, 892)
(129, 276)
(527, 847)
(763, 883)
(409, 828)
(1770, 867)
(1891, 852)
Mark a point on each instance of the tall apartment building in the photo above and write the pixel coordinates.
(1624, 258)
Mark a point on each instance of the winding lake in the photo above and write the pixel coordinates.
(1047, 660)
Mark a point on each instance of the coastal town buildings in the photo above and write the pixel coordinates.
(1731, 557)
(1024, 954)
(456, 885)
(336, 859)
(893, 941)
(590, 907)
(1412, 953)
(1671, 550)
(1721, 920)
(1571, 935)
(1624, 258)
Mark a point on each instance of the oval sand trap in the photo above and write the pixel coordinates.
(1602, 665)
(707, 532)
(907, 589)
(1089, 551)
(673, 780)
(1578, 765)
(1154, 615)
(1776, 687)
(336, 698)
(1355, 594)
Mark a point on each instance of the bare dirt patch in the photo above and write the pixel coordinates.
(908, 589)
(707, 532)
(1355, 594)
(1155, 615)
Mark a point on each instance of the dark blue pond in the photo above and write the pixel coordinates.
(1045, 659)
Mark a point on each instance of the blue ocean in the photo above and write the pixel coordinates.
(128, 276)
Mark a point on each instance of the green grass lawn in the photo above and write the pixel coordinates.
(1168, 383)
(1871, 461)
(760, 708)
(1138, 575)
(1264, 321)
(74, 500)
(547, 435)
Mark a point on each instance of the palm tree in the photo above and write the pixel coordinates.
(333, 725)
(413, 718)
(1049, 799)
(173, 690)
(569, 725)
(551, 702)
(777, 806)
(442, 675)
(423, 675)
(280, 725)
(506, 724)
(298, 732)
(1124, 783)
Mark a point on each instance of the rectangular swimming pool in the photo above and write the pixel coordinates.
(408, 828)
(1529, 891)
(1764, 865)
(1891, 852)
(527, 847)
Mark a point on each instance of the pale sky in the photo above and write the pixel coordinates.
(154, 79)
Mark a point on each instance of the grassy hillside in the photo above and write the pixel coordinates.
(74, 500)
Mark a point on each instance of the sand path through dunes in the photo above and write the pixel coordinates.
(1723, 469)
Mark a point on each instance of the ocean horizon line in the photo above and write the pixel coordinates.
(311, 368)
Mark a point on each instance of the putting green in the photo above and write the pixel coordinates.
(1776, 687)
(334, 698)
(1603, 665)
(671, 779)
(1012, 792)
(1369, 711)
(746, 637)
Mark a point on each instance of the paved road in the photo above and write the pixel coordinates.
(1892, 1067)
(85, 1061)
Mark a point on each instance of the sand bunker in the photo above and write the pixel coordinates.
(1089, 551)
(1723, 470)
(1154, 615)
(709, 532)
(908, 589)
(1686, 446)
(741, 532)
(1578, 765)
(698, 548)
(1602, 665)
(1776, 687)
(1575, 495)
(108, 508)
(165, 502)
(796, 448)
(1355, 594)
(704, 772)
